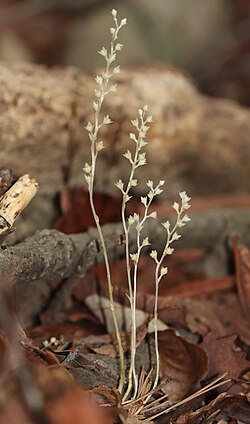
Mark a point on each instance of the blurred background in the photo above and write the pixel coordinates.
(208, 39)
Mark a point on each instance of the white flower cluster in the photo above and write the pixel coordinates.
(100, 92)
(172, 234)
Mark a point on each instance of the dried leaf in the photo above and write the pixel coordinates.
(184, 362)
(76, 211)
(224, 356)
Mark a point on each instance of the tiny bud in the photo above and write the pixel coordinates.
(118, 47)
(123, 21)
(133, 137)
(114, 13)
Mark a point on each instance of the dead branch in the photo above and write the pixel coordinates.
(14, 201)
(50, 254)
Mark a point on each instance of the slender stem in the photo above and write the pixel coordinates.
(132, 377)
(95, 147)
(111, 298)
(157, 281)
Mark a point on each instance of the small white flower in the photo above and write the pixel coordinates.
(186, 218)
(149, 119)
(168, 251)
(133, 183)
(166, 225)
(99, 80)
(136, 217)
(128, 156)
(185, 199)
(113, 88)
(117, 70)
(145, 108)
(103, 52)
(89, 127)
(150, 195)
(127, 198)
(112, 31)
(145, 242)
(98, 93)
(99, 146)
(144, 200)
(133, 137)
(143, 143)
(176, 206)
(119, 184)
(158, 191)
(153, 215)
(134, 257)
(107, 120)
(150, 184)
(131, 220)
(87, 168)
(135, 122)
(142, 156)
(164, 271)
(179, 223)
(175, 236)
(153, 254)
(114, 13)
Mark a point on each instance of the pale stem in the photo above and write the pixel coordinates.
(132, 370)
(132, 374)
(94, 154)
(157, 281)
